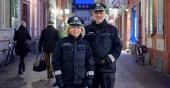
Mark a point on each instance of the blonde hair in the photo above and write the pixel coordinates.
(23, 23)
(82, 32)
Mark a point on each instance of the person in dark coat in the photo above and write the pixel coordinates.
(49, 37)
(106, 47)
(21, 37)
(73, 60)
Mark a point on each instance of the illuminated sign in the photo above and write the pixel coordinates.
(84, 2)
(82, 6)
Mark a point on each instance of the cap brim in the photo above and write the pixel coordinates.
(75, 25)
(98, 10)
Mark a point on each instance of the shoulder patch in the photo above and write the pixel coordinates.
(66, 44)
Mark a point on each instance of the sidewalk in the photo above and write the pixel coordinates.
(129, 75)
(30, 79)
(133, 75)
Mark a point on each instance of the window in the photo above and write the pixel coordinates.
(147, 17)
(151, 20)
(14, 13)
(160, 17)
(135, 31)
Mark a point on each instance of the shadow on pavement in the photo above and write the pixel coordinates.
(42, 84)
(15, 82)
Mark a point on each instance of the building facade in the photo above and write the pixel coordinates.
(12, 12)
(35, 14)
(4, 13)
(146, 21)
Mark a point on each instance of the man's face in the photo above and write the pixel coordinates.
(75, 30)
(98, 16)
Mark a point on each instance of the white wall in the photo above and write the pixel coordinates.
(4, 13)
(5, 34)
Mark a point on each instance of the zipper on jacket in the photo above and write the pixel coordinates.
(74, 46)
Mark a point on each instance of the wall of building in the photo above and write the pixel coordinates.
(167, 35)
(149, 28)
(6, 33)
(37, 16)
(126, 29)
(62, 16)
(126, 24)
(34, 12)
(4, 13)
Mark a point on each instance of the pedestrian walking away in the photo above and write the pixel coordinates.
(49, 37)
(21, 38)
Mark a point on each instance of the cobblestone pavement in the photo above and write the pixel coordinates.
(129, 75)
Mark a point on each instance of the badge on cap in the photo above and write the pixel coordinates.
(97, 4)
(76, 18)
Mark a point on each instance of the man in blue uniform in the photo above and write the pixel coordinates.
(72, 60)
(106, 46)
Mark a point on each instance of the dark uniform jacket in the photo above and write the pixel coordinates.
(104, 41)
(48, 39)
(74, 58)
(21, 36)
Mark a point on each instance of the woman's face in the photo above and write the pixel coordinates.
(98, 16)
(75, 30)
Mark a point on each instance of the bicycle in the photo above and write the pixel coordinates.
(9, 54)
(140, 50)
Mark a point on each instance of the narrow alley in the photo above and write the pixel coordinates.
(139, 29)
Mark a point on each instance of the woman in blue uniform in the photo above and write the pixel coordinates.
(72, 60)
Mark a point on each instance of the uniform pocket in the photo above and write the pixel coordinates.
(91, 37)
(67, 49)
(81, 47)
(81, 50)
(67, 52)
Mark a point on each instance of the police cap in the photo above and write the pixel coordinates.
(75, 21)
(98, 6)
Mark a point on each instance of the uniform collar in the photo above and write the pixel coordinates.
(73, 38)
(99, 27)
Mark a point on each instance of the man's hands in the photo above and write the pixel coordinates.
(59, 81)
(104, 61)
(89, 82)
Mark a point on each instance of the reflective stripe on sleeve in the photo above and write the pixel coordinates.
(90, 73)
(58, 72)
(111, 57)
